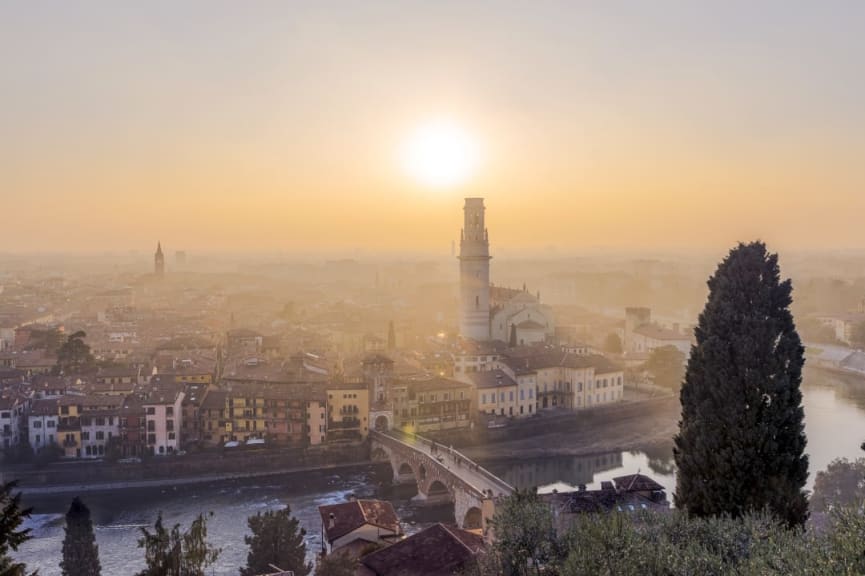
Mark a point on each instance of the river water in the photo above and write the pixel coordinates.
(834, 423)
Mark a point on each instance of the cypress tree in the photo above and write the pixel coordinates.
(741, 439)
(277, 540)
(80, 552)
(12, 515)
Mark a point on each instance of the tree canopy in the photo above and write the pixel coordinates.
(741, 439)
(176, 553)
(276, 540)
(73, 356)
(666, 364)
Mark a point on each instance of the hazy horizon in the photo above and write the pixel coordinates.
(278, 127)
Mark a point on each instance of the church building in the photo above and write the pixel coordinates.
(494, 313)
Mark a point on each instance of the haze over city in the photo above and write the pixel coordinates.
(415, 288)
(214, 126)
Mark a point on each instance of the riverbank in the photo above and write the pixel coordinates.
(627, 426)
(622, 427)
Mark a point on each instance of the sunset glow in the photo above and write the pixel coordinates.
(440, 154)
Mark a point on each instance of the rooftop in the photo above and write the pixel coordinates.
(341, 519)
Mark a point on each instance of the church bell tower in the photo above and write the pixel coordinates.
(159, 261)
(474, 273)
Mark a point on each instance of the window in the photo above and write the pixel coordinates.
(169, 411)
(522, 395)
(483, 398)
(37, 424)
(511, 396)
(151, 410)
(100, 435)
(85, 435)
(171, 436)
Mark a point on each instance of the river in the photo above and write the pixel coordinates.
(834, 423)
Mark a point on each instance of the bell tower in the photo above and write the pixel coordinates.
(474, 272)
(159, 261)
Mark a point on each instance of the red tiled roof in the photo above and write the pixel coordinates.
(350, 516)
(436, 551)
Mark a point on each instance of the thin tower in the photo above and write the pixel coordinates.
(474, 272)
(159, 261)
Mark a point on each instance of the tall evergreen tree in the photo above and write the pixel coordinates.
(741, 439)
(80, 552)
(11, 536)
(277, 540)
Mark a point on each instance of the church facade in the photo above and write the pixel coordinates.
(494, 313)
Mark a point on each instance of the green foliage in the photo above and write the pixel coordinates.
(74, 357)
(842, 484)
(80, 552)
(524, 532)
(676, 544)
(176, 553)
(666, 364)
(12, 515)
(741, 439)
(613, 344)
(277, 540)
(335, 565)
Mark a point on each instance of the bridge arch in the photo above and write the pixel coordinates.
(421, 473)
(474, 519)
(379, 454)
(405, 468)
(382, 423)
(437, 488)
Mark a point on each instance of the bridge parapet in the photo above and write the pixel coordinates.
(439, 469)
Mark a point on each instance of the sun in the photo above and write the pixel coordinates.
(440, 154)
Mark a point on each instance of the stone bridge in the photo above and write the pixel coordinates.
(441, 474)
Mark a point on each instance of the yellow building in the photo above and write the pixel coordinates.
(69, 426)
(347, 412)
(246, 417)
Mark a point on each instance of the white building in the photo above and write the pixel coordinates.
(641, 335)
(98, 428)
(42, 424)
(502, 393)
(11, 412)
(350, 527)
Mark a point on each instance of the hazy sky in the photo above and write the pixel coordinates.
(277, 125)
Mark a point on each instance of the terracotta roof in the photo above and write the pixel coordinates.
(436, 551)
(350, 516)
